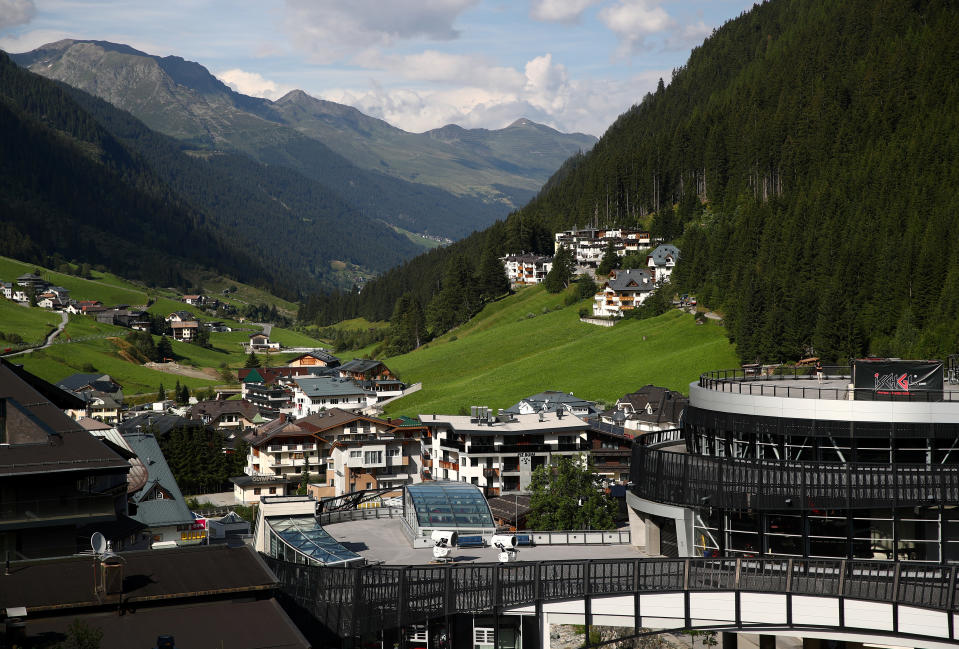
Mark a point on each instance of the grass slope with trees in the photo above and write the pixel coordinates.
(533, 341)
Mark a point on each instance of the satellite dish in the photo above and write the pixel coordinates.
(98, 542)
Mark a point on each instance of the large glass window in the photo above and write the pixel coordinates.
(452, 505)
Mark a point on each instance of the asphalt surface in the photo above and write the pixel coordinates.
(384, 541)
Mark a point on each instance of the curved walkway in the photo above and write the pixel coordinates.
(851, 598)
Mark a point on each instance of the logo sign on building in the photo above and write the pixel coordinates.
(892, 379)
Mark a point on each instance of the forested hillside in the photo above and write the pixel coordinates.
(90, 183)
(804, 162)
(70, 191)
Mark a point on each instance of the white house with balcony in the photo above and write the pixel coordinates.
(527, 268)
(315, 394)
(623, 291)
(662, 260)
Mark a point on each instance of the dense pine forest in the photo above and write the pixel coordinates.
(804, 160)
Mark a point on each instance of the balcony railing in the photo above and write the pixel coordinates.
(452, 466)
(490, 473)
(450, 443)
(482, 448)
(696, 480)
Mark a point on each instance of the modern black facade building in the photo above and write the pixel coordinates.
(857, 464)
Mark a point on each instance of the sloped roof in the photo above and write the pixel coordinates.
(360, 365)
(214, 408)
(326, 386)
(172, 511)
(661, 252)
(549, 400)
(157, 423)
(101, 382)
(320, 355)
(64, 445)
(335, 417)
(636, 279)
(666, 404)
(270, 375)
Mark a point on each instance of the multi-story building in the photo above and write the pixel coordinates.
(315, 358)
(365, 452)
(527, 268)
(314, 394)
(551, 401)
(588, 245)
(861, 463)
(623, 291)
(500, 452)
(227, 414)
(57, 481)
(661, 261)
(341, 451)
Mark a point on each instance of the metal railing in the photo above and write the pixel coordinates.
(740, 381)
(354, 601)
(697, 480)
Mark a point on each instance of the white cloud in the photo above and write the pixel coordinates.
(545, 94)
(252, 83)
(559, 10)
(334, 30)
(633, 21)
(16, 12)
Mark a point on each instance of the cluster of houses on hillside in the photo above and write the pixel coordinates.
(621, 290)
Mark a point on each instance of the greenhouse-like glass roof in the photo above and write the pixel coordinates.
(449, 505)
(304, 534)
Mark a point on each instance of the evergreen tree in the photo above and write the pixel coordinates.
(161, 393)
(586, 288)
(560, 275)
(183, 395)
(164, 350)
(493, 281)
(202, 336)
(610, 261)
(252, 360)
(407, 326)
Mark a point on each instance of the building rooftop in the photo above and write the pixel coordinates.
(549, 421)
(384, 541)
(148, 575)
(307, 536)
(150, 510)
(325, 386)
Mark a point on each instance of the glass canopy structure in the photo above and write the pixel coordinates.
(447, 505)
(301, 539)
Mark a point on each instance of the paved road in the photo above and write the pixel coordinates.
(64, 318)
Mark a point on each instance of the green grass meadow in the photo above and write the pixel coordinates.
(514, 349)
(30, 324)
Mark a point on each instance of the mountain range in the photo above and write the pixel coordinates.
(445, 182)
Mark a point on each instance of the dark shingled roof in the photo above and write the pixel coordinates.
(148, 575)
(636, 279)
(360, 365)
(49, 441)
(666, 404)
(214, 408)
(260, 624)
(335, 417)
(158, 423)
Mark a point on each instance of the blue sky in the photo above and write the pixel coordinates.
(419, 64)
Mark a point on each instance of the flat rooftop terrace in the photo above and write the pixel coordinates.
(833, 386)
(384, 541)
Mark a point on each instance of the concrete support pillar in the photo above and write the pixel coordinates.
(767, 642)
(730, 640)
(652, 537)
(637, 528)
(544, 631)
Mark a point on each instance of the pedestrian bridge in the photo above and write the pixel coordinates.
(862, 601)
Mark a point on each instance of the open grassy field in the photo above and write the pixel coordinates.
(105, 287)
(30, 324)
(59, 361)
(529, 342)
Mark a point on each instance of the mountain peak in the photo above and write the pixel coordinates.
(522, 121)
(296, 96)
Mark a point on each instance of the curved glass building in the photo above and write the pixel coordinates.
(860, 463)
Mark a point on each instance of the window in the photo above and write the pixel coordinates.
(356, 454)
(373, 457)
(256, 491)
(392, 452)
(272, 490)
(369, 485)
